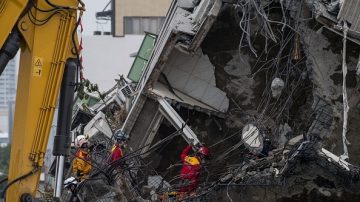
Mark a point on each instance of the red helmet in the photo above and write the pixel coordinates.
(204, 151)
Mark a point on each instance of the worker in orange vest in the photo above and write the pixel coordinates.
(81, 163)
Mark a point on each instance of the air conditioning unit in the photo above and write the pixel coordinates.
(127, 90)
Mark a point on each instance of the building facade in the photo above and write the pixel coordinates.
(4, 139)
(138, 16)
(8, 81)
(8, 85)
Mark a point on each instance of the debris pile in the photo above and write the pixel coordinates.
(259, 83)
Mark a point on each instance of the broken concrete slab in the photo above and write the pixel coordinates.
(295, 140)
(194, 75)
(98, 125)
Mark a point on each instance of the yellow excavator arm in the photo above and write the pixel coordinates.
(46, 33)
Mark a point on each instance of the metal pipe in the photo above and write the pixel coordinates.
(59, 174)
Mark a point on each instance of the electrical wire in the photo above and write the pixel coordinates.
(111, 167)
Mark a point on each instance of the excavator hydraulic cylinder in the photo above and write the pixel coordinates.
(62, 140)
(9, 50)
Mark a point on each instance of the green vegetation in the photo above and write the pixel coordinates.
(4, 158)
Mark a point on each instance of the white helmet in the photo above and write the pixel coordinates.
(80, 140)
(70, 181)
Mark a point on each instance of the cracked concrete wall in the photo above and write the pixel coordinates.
(324, 58)
(194, 75)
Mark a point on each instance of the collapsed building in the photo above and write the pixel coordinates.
(241, 77)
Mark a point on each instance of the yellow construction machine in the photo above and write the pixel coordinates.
(46, 33)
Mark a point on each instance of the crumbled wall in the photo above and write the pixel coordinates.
(318, 99)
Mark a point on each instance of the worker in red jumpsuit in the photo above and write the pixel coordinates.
(117, 150)
(190, 171)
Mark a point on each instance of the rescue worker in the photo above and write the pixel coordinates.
(71, 185)
(117, 150)
(266, 148)
(191, 168)
(81, 167)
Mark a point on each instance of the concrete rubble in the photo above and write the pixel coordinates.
(260, 83)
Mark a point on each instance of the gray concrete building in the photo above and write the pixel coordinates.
(8, 84)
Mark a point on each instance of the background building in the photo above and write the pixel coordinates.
(4, 139)
(135, 16)
(130, 19)
(8, 84)
(4, 121)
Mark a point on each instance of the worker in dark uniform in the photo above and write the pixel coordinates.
(71, 185)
